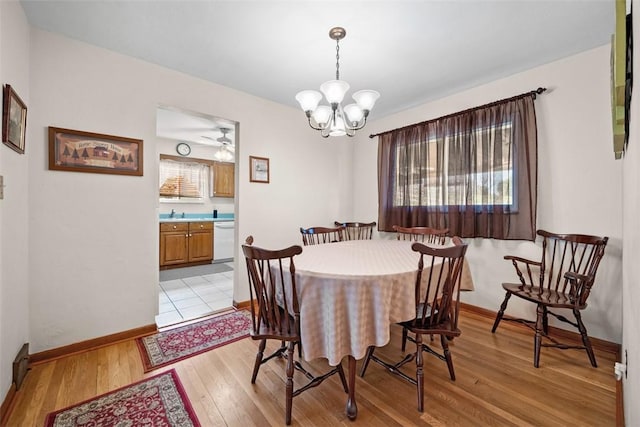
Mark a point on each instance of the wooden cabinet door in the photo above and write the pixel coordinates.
(223, 183)
(200, 241)
(174, 244)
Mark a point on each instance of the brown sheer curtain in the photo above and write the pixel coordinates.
(473, 172)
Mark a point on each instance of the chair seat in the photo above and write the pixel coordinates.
(443, 328)
(545, 296)
(271, 332)
(266, 333)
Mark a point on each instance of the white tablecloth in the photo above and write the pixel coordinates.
(351, 292)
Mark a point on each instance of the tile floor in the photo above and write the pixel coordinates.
(192, 297)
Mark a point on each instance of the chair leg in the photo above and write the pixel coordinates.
(545, 321)
(289, 388)
(503, 307)
(404, 339)
(419, 372)
(447, 356)
(259, 357)
(539, 333)
(585, 338)
(367, 358)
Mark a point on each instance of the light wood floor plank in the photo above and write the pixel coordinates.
(496, 385)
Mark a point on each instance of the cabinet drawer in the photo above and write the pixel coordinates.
(204, 225)
(174, 226)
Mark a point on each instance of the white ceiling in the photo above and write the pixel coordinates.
(411, 52)
(173, 123)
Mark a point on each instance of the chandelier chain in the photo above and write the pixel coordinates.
(337, 59)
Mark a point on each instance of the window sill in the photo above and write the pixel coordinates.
(182, 201)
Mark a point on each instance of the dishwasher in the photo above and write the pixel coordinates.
(223, 236)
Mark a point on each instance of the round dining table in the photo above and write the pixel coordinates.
(350, 294)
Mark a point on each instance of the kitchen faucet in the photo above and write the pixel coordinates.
(173, 213)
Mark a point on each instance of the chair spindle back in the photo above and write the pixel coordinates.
(422, 234)
(272, 287)
(437, 285)
(357, 230)
(562, 253)
(321, 235)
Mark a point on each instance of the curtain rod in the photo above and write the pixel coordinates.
(533, 93)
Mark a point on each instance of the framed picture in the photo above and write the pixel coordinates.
(14, 120)
(259, 169)
(621, 47)
(78, 151)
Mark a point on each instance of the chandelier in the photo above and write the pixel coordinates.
(334, 120)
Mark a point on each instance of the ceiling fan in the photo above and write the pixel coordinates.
(224, 140)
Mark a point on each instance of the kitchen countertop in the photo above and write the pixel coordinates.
(196, 218)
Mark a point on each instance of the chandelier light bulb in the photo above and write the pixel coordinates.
(321, 115)
(308, 99)
(354, 113)
(334, 90)
(366, 99)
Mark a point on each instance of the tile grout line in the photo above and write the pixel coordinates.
(213, 285)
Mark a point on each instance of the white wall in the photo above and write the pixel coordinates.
(631, 266)
(94, 237)
(579, 185)
(14, 209)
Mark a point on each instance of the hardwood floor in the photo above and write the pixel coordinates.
(496, 385)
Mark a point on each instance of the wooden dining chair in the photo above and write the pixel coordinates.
(321, 235)
(436, 304)
(422, 234)
(276, 314)
(562, 279)
(357, 230)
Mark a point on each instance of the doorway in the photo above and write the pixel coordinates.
(191, 196)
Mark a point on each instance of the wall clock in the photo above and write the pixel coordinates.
(183, 149)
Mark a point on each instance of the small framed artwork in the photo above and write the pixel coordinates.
(259, 169)
(14, 120)
(78, 151)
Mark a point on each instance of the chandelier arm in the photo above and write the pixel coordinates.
(312, 126)
(358, 126)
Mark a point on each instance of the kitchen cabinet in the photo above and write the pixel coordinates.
(185, 243)
(223, 182)
(200, 241)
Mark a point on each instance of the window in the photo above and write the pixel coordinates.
(183, 181)
(484, 180)
(473, 172)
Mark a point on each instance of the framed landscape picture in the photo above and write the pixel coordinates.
(14, 120)
(259, 169)
(78, 151)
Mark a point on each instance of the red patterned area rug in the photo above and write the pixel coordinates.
(170, 346)
(156, 401)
